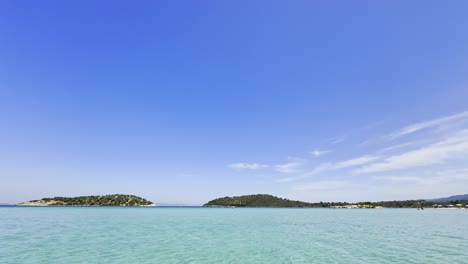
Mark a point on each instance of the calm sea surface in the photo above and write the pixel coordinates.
(224, 235)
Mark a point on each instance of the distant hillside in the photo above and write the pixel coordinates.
(266, 200)
(256, 200)
(100, 200)
(463, 197)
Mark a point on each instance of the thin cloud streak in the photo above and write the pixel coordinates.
(337, 140)
(451, 148)
(400, 179)
(354, 162)
(247, 166)
(399, 146)
(435, 178)
(318, 153)
(290, 167)
(431, 123)
(322, 185)
(333, 166)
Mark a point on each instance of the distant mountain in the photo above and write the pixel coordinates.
(5, 204)
(462, 197)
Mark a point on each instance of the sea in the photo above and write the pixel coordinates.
(231, 235)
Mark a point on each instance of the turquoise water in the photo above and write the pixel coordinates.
(225, 235)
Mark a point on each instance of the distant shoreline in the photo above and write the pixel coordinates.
(227, 207)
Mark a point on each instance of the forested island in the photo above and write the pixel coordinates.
(266, 200)
(95, 200)
(255, 200)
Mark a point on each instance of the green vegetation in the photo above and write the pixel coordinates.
(101, 200)
(416, 203)
(265, 200)
(256, 200)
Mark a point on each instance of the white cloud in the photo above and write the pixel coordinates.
(322, 185)
(247, 166)
(353, 162)
(337, 140)
(419, 185)
(400, 178)
(429, 178)
(454, 147)
(317, 153)
(324, 167)
(290, 179)
(383, 191)
(431, 123)
(290, 167)
(457, 174)
(399, 146)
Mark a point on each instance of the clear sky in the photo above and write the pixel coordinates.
(185, 101)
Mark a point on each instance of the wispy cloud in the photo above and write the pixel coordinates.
(247, 166)
(322, 185)
(353, 162)
(424, 125)
(432, 178)
(397, 147)
(454, 147)
(399, 178)
(318, 153)
(324, 167)
(290, 167)
(336, 140)
(459, 174)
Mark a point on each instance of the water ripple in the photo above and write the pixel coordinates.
(217, 235)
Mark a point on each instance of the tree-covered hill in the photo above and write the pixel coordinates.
(98, 200)
(256, 200)
(266, 200)
(462, 197)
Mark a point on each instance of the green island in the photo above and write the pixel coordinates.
(255, 200)
(94, 200)
(266, 200)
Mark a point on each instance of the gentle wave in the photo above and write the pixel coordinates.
(218, 235)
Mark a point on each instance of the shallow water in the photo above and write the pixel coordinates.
(228, 235)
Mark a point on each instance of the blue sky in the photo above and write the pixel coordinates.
(182, 102)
